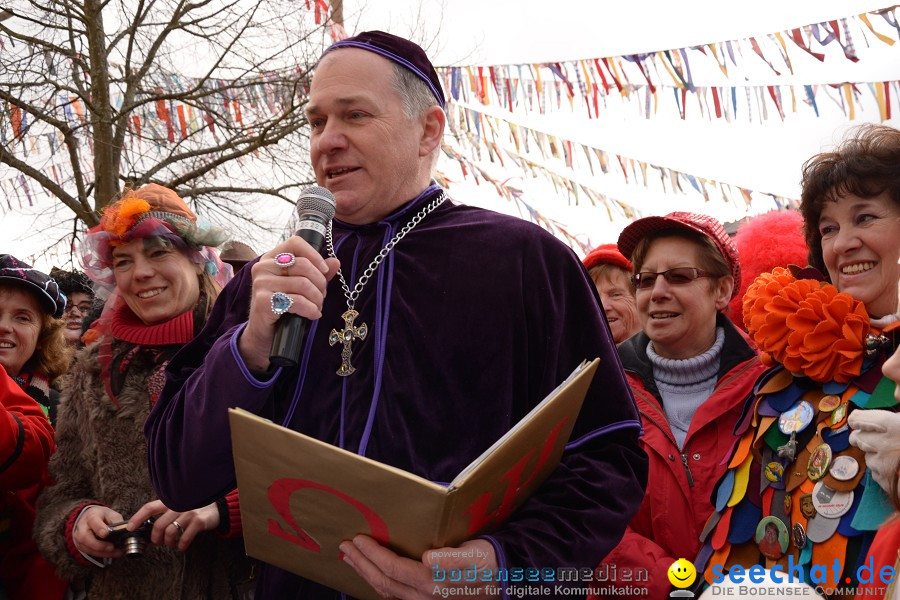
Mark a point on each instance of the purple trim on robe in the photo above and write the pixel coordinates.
(501, 563)
(245, 371)
(382, 319)
(353, 265)
(609, 428)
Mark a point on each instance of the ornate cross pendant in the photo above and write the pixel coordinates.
(345, 337)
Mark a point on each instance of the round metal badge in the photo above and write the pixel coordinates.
(844, 468)
(798, 534)
(830, 503)
(774, 471)
(829, 403)
(796, 418)
(819, 461)
(772, 537)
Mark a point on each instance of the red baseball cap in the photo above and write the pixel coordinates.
(702, 224)
(606, 254)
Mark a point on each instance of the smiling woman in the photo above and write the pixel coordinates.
(34, 353)
(851, 204)
(828, 338)
(31, 334)
(690, 370)
(156, 259)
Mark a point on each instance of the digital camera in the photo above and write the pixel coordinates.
(133, 542)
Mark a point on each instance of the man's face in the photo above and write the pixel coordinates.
(365, 149)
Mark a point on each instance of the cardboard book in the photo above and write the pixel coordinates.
(300, 497)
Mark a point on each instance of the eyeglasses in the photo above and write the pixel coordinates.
(83, 307)
(678, 276)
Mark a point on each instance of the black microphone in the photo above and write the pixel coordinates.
(315, 210)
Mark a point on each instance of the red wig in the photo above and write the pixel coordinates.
(764, 242)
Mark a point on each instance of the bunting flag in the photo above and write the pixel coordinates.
(225, 109)
(545, 86)
(527, 211)
(500, 137)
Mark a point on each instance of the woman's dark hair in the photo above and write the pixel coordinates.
(866, 164)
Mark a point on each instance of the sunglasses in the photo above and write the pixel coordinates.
(678, 276)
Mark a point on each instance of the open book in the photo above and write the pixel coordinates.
(300, 498)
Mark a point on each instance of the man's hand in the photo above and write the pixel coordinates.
(304, 282)
(393, 576)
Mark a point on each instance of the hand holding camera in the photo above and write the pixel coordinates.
(101, 532)
(175, 529)
(91, 531)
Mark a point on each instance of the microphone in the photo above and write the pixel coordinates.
(315, 210)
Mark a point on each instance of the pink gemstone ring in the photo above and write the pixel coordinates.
(285, 259)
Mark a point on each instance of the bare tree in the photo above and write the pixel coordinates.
(202, 96)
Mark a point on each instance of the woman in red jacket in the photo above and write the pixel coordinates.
(33, 353)
(690, 370)
(26, 438)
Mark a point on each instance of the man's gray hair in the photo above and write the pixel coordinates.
(415, 93)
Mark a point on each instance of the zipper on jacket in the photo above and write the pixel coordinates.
(687, 470)
(684, 460)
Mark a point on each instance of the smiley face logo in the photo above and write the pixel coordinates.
(682, 573)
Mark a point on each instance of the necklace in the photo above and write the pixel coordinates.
(351, 331)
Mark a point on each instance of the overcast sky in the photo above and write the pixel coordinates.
(761, 156)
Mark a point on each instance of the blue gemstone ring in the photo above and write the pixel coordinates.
(281, 303)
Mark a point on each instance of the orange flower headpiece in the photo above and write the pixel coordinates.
(807, 325)
(150, 201)
(151, 210)
(121, 217)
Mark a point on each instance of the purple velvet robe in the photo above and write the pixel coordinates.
(473, 318)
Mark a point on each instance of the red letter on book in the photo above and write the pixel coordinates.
(480, 518)
(280, 495)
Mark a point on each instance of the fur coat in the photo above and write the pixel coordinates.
(102, 458)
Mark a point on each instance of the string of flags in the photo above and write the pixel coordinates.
(509, 191)
(644, 79)
(502, 138)
(153, 127)
(218, 111)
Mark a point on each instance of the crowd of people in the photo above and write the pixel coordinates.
(743, 413)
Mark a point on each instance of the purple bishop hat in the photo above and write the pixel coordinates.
(399, 50)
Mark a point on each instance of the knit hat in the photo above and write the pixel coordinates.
(151, 210)
(702, 224)
(40, 284)
(399, 50)
(606, 254)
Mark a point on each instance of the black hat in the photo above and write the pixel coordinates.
(72, 282)
(44, 287)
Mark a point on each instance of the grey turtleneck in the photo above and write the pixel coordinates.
(686, 384)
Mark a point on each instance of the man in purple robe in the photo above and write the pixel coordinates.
(471, 318)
